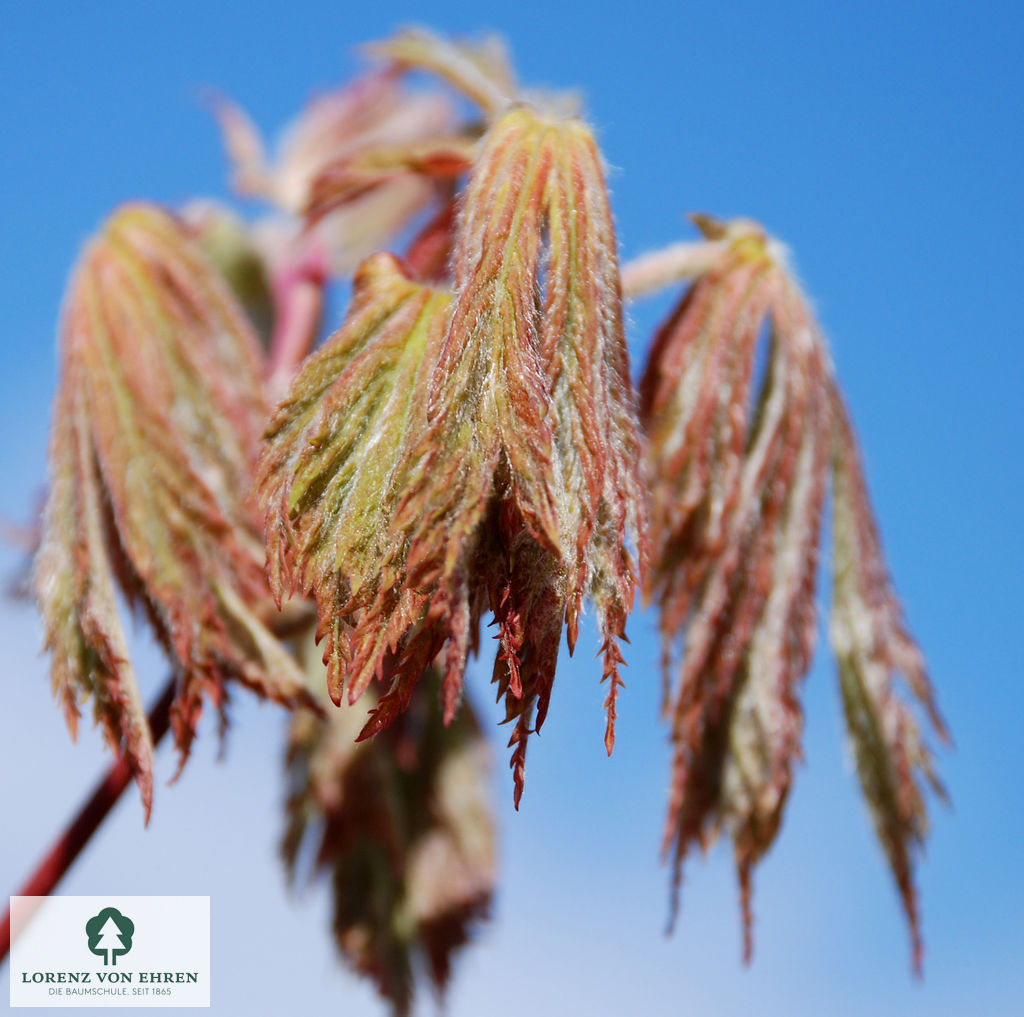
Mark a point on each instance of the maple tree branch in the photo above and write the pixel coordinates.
(70, 843)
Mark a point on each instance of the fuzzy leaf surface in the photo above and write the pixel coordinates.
(155, 430)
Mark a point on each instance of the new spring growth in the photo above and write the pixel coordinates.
(464, 446)
(738, 480)
(155, 431)
(468, 444)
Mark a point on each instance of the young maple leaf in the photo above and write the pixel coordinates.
(360, 159)
(526, 474)
(402, 824)
(155, 429)
(738, 481)
(327, 478)
(872, 645)
(352, 171)
(504, 447)
(480, 70)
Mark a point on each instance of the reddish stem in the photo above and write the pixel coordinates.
(298, 305)
(69, 845)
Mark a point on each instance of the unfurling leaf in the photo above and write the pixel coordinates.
(402, 825)
(504, 473)
(480, 71)
(75, 587)
(327, 478)
(738, 480)
(872, 645)
(465, 444)
(348, 179)
(536, 358)
(155, 430)
(364, 153)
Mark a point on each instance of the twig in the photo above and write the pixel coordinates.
(655, 271)
(69, 845)
(298, 306)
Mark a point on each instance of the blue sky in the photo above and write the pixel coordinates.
(883, 143)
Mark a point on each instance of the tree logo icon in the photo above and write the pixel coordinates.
(110, 935)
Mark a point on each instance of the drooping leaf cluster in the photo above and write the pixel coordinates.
(156, 429)
(401, 824)
(466, 445)
(738, 484)
(469, 444)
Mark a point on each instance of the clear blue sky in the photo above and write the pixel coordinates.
(882, 141)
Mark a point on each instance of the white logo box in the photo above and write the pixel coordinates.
(138, 951)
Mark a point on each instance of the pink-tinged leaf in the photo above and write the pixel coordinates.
(74, 578)
(161, 382)
(530, 452)
(373, 129)
(429, 254)
(738, 483)
(327, 480)
(250, 172)
(510, 481)
(873, 646)
(480, 71)
(603, 505)
(350, 178)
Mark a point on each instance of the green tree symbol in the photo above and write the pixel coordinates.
(110, 934)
